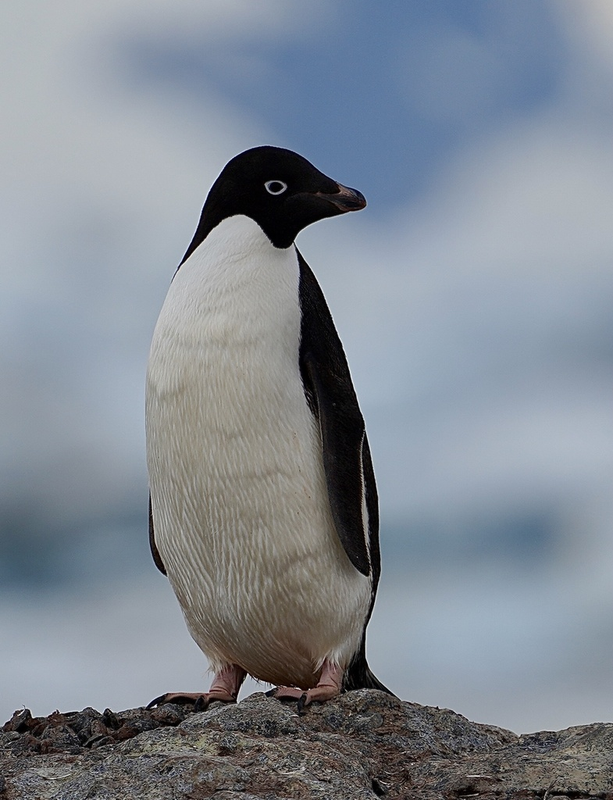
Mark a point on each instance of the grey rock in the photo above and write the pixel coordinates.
(361, 746)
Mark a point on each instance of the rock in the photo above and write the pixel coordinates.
(361, 746)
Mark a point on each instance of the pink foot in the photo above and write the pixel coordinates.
(225, 687)
(329, 686)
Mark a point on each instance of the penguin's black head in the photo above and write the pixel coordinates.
(278, 189)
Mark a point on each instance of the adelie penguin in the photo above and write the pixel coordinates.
(263, 509)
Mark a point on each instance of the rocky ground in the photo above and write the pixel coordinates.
(366, 744)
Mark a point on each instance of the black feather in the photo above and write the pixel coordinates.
(331, 396)
(347, 462)
(154, 551)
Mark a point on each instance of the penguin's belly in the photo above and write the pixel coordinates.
(240, 506)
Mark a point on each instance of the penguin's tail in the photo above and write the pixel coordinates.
(359, 675)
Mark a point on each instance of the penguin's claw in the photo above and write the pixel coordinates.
(225, 687)
(302, 704)
(319, 694)
(179, 698)
(199, 699)
(329, 686)
(286, 693)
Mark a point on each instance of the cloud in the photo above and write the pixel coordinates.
(478, 324)
(102, 186)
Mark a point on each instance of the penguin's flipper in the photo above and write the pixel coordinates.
(331, 397)
(154, 551)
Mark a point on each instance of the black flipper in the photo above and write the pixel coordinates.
(332, 399)
(154, 551)
(347, 462)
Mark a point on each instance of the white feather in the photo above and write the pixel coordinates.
(241, 512)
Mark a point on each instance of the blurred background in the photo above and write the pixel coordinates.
(474, 297)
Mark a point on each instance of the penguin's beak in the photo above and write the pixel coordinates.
(345, 199)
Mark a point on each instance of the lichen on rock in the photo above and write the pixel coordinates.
(365, 744)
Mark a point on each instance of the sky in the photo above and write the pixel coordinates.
(473, 298)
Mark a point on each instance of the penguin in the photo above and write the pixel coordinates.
(263, 504)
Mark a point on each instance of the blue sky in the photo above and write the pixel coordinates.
(384, 92)
(473, 298)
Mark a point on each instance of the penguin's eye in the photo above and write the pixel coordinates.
(275, 187)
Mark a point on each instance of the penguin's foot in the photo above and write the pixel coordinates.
(200, 700)
(329, 686)
(224, 688)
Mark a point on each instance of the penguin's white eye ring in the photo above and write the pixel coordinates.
(275, 187)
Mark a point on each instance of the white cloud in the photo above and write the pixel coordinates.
(478, 322)
(589, 27)
(102, 185)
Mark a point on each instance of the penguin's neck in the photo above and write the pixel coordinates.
(235, 285)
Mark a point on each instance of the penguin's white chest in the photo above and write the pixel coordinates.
(240, 506)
